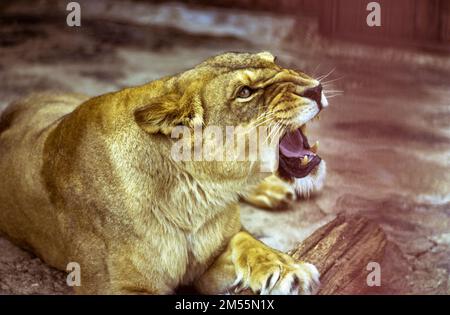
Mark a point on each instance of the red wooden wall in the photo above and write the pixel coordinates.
(424, 23)
(416, 22)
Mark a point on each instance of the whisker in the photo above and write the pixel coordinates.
(333, 80)
(331, 96)
(326, 75)
(262, 120)
(277, 130)
(315, 69)
(268, 120)
(270, 135)
(280, 128)
(328, 85)
(257, 126)
(263, 117)
(332, 92)
(338, 91)
(265, 122)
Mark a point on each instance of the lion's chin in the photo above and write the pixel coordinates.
(312, 183)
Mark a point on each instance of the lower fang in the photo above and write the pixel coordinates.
(305, 160)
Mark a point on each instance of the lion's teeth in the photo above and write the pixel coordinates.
(315, 147)
(305, 160)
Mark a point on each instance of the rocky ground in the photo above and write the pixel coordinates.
(386, 139)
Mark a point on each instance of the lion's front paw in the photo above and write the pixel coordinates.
(272, 193)
(267, 271)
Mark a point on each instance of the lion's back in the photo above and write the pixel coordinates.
(37, 111)
(24, 126)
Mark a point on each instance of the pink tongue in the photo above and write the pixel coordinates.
(291, 145)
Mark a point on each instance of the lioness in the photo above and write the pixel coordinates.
(92, 180)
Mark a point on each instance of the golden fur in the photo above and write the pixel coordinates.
(91, 180)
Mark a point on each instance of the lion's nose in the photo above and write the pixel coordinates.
(315, 94)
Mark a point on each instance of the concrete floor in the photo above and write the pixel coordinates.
(386, 140)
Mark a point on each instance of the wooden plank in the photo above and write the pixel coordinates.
(341, 250)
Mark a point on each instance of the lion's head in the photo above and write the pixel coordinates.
(246, 90)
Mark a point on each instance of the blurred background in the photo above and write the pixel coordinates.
(385, 136)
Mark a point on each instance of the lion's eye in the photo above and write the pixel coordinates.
(245, 92)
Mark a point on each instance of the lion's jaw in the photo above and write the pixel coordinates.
(312, 183)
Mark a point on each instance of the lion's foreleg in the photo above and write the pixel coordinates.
(248, 263)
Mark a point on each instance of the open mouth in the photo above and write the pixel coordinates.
(296, 157)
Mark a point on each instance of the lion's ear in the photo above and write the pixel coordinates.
(163, 113)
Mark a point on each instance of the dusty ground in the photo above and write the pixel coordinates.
(386, 140)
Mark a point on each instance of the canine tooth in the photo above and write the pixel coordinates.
(315, 147)
(305, 161)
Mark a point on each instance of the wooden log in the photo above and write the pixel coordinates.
(341, 250)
